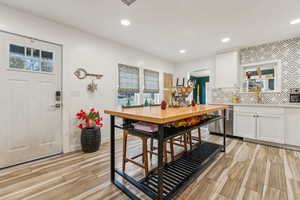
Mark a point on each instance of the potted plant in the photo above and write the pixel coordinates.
(90, 124)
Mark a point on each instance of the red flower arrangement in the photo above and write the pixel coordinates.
(90, 119)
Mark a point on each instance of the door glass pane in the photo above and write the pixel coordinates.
(36, 53)
(35, 64)
(15, 49)
(47, 61)
(28, 51)
(30, 59)
(16, 56)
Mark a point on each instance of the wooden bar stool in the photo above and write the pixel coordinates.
(197, 138)
(153, 148)
(144, 154)
(145, 151)
(184, 140)
(165, 151)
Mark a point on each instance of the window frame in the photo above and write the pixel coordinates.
(138, 89)
(277, 74)
(33, 47)
(140, 95)
(146, 90)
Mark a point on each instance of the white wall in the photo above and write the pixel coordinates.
(95, 54)
(202, 66)
(184, 69)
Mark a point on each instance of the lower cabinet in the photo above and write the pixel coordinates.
(244, 125)
(265, 124)
(270, 128)
(292, 124)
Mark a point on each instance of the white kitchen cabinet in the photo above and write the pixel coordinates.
(227, 70)
(270, 128)
(265, 124)
(245, 125)
(292, 121)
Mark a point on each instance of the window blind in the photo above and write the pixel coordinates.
(151, 81)
(128, 79)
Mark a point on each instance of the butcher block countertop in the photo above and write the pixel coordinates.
(155, 114)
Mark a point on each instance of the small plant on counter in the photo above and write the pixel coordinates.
(90, 124)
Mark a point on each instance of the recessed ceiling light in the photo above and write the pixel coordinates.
(296, 21)
(182, 51)
(125, 22)
(225, 40)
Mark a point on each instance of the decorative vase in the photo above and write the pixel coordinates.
(163, 105)
(90, 139)
(193, 103)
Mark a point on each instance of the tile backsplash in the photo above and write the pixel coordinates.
(288, 51)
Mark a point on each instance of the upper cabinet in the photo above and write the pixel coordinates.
(227, 70)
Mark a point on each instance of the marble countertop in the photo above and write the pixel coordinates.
(287, 105)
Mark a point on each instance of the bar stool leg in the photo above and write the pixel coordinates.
(180, 139)
(185, 142)
(172, 149)
(199, 135)
(151, 149)
(190, 139)
(125, 136)
(165, 152)
(145, 155)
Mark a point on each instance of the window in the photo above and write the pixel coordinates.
(151, 87)
(151, 81)
(265, 75)
(264, 81)
(151, 98)
(129, 85)
(30, 59)
(129, 92)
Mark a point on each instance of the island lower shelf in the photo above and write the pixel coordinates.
(169, 132)
(178, 172)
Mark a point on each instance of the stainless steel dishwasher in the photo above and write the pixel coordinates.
(217, 127)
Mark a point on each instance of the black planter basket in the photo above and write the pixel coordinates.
(90, 139)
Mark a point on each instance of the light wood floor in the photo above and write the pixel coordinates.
(247, 171)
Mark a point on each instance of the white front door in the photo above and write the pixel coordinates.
(30, 76)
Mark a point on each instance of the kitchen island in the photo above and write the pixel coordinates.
(168, 178)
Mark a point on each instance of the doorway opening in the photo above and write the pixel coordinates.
(199, 92)
(202, 90)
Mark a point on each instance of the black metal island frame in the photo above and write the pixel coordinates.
(168, 178)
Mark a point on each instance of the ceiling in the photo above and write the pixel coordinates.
(163, 27)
